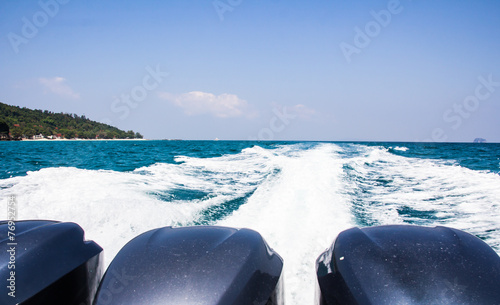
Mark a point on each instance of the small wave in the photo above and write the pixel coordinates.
(424, 192)
(399, 148)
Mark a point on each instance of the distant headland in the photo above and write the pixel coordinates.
(18, 123)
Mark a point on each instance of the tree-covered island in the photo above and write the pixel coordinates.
(18, 123)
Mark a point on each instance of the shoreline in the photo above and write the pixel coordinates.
(318, 141)
(49, 140)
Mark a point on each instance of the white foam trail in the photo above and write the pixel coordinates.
(299, 212)
(114, 207)
(454, 196)
(301, 199)
(109, 205)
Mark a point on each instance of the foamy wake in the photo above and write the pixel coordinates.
(114, 207)
(299, 197)
(427, 192)
(299, 212)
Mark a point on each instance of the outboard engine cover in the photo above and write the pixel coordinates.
(201, 265)
(47, 262)
(408, 265)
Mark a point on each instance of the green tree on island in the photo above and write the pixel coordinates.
(4, 130)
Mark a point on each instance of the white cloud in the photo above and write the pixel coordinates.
(222, 106)
(303, 111)
(58, 86)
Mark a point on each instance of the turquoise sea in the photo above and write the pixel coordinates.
(298, 195)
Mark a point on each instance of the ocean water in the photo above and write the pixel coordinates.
(298, 195)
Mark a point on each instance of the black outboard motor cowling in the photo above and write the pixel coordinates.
(408, 265)
(52, 264)
(202, 265)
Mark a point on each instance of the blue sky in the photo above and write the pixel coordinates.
(271, 70)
